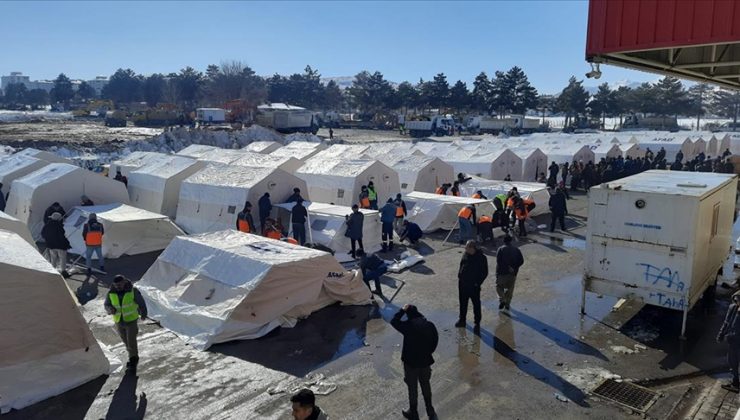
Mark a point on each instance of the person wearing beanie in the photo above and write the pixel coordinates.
(92, 234)
(55, 207)
(354, 222)
(125, 303)
(508, 260)
(730, 332)
(56, 242)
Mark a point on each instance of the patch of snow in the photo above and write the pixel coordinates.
(586, 379)
(307, 137)
(23, 116)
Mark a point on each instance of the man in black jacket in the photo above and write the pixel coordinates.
(298, 218)
(53, 208)
(471, 275)
(420, 339)
(265, 207)
(508, 261)
(730, 331)
(56, 242)
(126, 305)
(558, 209)
(372, 268)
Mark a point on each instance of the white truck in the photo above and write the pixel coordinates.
(659, 236)
(495, 125)
(210, 115)
(438, 125)
(287, 118)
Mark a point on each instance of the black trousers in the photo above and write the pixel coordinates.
(556, 217)
(414, 376)
(354, 242)
(467, 292)
(522, 227)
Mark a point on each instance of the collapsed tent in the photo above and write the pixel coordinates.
(327, 226)
(434, 211)
(339, 181)
(43, 155)
(133, 162)
(32, 194)
(228, 285)
(128, 230)
(534, 191)
(419, 173)
(300, 150)
(264, 147)
(17, 166)
(155, 186)
(211, 198)
(46, 346)
(11, 224)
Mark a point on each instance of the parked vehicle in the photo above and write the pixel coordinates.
(115, 119)
(287, 118)
(515, 124)
(210, 116)
(438, 125)
(633, 122)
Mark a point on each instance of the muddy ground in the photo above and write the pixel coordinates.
(541, 361)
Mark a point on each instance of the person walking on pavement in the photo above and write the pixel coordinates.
(420, 339)
(730, 332)
(126, 304)
(265, 207)
(364, 197)
(470, 276)
(372, 195)
(304, 406)
(53, 208)
(387, 217)
(400, 213)
(298, 219)
(354, 224)
(244, 220)
(372, 268)
(558, 209)
(92, 234)
(466, 217)
(508, 261)
(56, 243)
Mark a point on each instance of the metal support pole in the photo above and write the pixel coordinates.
(583, 295)
(685, 316)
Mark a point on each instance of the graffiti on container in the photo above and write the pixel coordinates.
(667, 277)
(668, 301)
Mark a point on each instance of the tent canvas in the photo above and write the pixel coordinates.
(17, 166)
(534, 191)
(672, 142)
(227, 285)
(419, 173)
(605, 151)
(128, 230)
(434, 211)
(196, 151)
(156, 185)
(632, 150)
(43, 155)
(568, 152)
(300, 150)
(255, 160)
(496, 164)
(339, 181)
(533, 159)
(11, 224)
(327, 227)
(46, 346)
(32, 194)
(384, 148)
(264, 147)
(342, 152)
(133, 162)
(211, 198)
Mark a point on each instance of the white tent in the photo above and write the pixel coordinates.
(196, 151)
(632, 150)
(43, 155)
(12, 224)
(534, 191)
(256, 160)
(672, 142)
(46, 347)
(32, 194)
(227, 285)
(327, 227)
(419, 173)
(339, 181)
(605, 151)
(264, 147)
(133, 161)
(128, 230)
(496, 164)
(435, 211)
(156, 185)
(211, 198)
(725, 142)
(700, 145)
(16, 166)
(533, 159)
(300, 150)
(342, 152)
(385, 148)
(568, 152)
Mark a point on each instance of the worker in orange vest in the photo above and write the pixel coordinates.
(466, 217)
(442, 189)
(244, 220)
(521, 212)
(400, 213)
(479, 195)
(485, 228)
(271, 231)
(364, 197)
(92, 234)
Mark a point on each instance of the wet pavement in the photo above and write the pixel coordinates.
(540, 361)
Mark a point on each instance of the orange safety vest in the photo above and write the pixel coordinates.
(244, 226)
(440, 191)
(476, 195)
(274, 234)
(521, 214)
(291, 241)
(456, 194)
(399, 211)
(93, 237)
(365, 203)
(484, 219)
(465, 212)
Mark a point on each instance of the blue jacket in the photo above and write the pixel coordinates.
(388, 213)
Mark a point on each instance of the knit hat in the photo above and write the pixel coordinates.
(56, 216)
(92, 217)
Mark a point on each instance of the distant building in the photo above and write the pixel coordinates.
(15, 77)
(98, 84)
(18, 77)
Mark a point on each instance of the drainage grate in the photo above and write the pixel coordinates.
(627, 394)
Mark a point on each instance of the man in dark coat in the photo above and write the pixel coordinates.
(265, 207)
(508, 261)
(298, 217)
(730, 332)
(354, 224)
(295, 196)
(411, 231)
(558, 209)
(2, 198)
(54, 208)
(420, 339)
(471, 275)
(372, 268)
(56, 242)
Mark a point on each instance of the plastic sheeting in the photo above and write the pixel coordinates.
(155, 186)
(32, 194)
(14, 225)
(128, 230)
(434, 211)
(227, 285)
(528, 190)
(46, 346)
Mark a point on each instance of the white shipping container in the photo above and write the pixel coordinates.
(210, 115)
(659, 236)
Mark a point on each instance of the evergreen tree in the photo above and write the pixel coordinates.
(727, 104)
(124, 86)
(572, 100)
(546, 103)
(622, 103)
(153, 89)
(37, 98)
(332, 96)
(15, 94)
(62, 90)
(439, 92)
(603, 103)
(698, 99)
(85, 91)
(408, 96)
(459, 96)
(670, 97)
(500, 98)
(481, 94)
(522, 96)
(189, 82)
(370, 92)
(643, 99)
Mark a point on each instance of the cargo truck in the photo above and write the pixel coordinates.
(287, 118)
(438, 125)
(514, 124)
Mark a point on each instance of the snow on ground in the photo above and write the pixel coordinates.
(20, 116)
(307, 137)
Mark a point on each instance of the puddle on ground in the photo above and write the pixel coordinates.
(570, 243)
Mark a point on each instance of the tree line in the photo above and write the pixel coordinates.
(502, 93)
